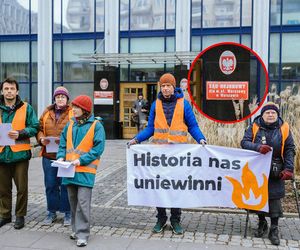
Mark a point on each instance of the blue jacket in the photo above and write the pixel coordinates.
(169, 107)
(79, 131)
(274, 138)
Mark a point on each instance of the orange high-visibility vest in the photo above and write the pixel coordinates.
(84, 146)
(71, 115)
(284, 129)
(19, 123)
(177, 132)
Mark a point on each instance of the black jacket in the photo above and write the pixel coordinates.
(274, 139)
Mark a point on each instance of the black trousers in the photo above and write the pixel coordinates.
(162, 215)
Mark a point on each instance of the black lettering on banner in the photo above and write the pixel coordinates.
(187, 184)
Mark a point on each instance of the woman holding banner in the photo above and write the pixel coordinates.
(269, 132)
(171, 118)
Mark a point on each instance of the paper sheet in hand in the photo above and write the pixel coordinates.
(4, 139)
(52, 147)
(65, 168)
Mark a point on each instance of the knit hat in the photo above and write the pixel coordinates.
(167, 78)
(61, 91)
(268, 106)
(84, 102)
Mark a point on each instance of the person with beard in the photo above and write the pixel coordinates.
(171, 118)
(270, 133)
(52, 121)
(81, 143)
(14, 159)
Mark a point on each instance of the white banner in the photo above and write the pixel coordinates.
(189, 175)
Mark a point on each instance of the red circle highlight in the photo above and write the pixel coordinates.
(251, 52)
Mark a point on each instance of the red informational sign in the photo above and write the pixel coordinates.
(103, 97)
(231, 90)
(103, 94)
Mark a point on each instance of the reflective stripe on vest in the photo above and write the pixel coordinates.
(177, 132)
(284, 129)
(19, 123)
(71, 115)
(84, 146)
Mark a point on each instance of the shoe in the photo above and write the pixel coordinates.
(81, 243)
(50, 218)
(19, 223)
(262, 229)
(176, 227)
(4, 221)
(67, 220)
(159, 227)
(73, 236)
(273, 235)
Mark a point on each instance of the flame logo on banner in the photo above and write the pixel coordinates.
(248, 194)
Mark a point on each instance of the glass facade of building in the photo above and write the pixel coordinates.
(284, 54)
(144, 26)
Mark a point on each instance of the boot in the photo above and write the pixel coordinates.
(273, 235)
(262, 228)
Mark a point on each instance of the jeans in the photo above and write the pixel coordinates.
(56, 194)
(162, 215)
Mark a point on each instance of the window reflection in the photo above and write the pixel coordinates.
(72, 69)
(147, 14)
(15, 60)
(78, 16)
(218, 13)
(15, 17)
(196, 14)
(290, 57)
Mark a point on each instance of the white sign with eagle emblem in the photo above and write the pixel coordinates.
(227, 62)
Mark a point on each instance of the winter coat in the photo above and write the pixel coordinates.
(273, 138)
(138, 106)
(79, 131)
(32, 126)
(169, 107)
(53, 127)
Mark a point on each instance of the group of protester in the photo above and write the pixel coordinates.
(81, 139)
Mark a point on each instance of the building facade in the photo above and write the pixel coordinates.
(144, 26)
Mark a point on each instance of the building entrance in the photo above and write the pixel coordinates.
(128, 94)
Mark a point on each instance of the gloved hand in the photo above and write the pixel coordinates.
(203, 142)
(263, 149)
(132, 142)
(286, 174)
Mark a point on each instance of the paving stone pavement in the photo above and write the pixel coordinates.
(113, 219)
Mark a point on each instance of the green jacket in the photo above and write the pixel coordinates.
(79, 132)
(32, 125)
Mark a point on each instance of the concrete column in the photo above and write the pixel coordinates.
(111, 31)
(260, 33)
(183, 25)
(44, 44)
(260, 37)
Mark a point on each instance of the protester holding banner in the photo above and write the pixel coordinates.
(52, 121)
(269, 132)
(170, 119)
(81, 143)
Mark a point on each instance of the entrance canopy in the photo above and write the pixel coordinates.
(139, 58)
